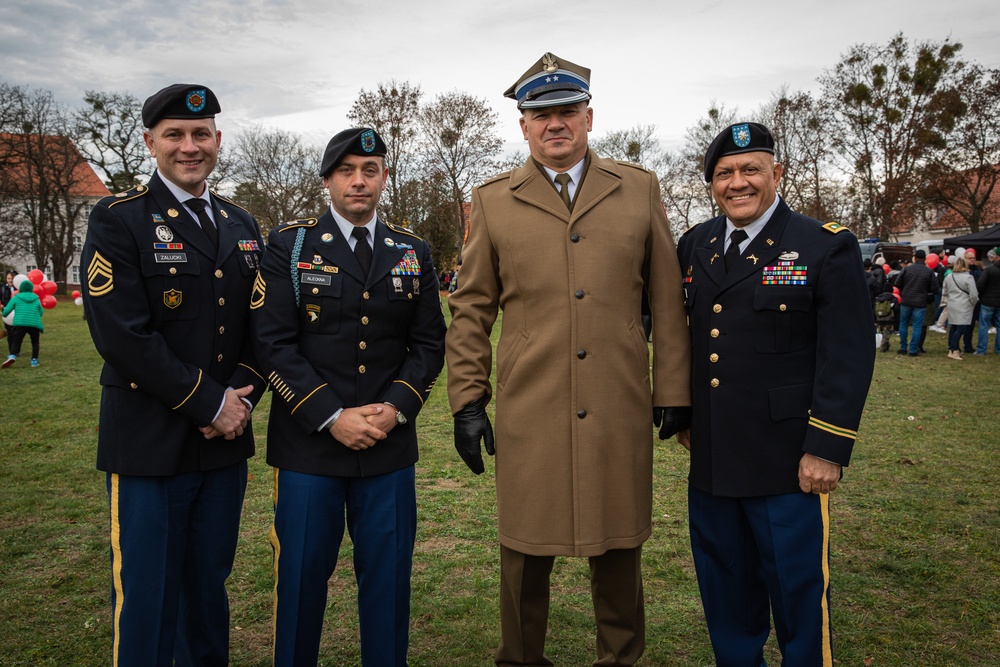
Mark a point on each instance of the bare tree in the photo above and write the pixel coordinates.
(461, 140)
(637, 144)
(392, 110)
(110, 130)
(42, 179)
(277, 178)
(962, 175)
(796, 121)
(886, 107)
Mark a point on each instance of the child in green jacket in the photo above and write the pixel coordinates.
(27, 309)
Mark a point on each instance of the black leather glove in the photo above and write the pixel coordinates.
(471, 426)
(671, 420)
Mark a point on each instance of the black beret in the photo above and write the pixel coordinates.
(739, 138)
(353, 141)
(181, 100)
(550, 82)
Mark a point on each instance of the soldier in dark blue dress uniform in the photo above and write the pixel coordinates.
(170, 270)
(783, 350)
(348, 323)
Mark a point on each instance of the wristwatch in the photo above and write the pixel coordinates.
(400, 417)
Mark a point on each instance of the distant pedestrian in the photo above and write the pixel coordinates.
(917, 285)
(960, 290)
(27, 311)
(989, 296)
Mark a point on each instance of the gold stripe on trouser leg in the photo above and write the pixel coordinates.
(824, 508)
(276, 547)
(116, 565)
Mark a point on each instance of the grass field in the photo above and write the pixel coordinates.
(915, 541)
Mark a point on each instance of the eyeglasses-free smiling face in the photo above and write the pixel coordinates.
(186, 151)
(745, 185)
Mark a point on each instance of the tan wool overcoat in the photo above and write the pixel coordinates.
(574, 438)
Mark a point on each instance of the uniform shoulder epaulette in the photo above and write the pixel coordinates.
(502, 176)
(626, 163)
(230, 202)
(690, 229)
(402, 230)
(295, 224)
(127, 195)
(834, 227)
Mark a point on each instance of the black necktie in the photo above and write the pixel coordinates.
(733, 253)
(563, 181)
(362, 250)
(207, 226)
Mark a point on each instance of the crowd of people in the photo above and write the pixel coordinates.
(948, 294)
(760, 320)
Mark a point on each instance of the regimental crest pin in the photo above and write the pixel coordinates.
(317, 259)
(368, 141)
(741, 135)
(172, 299)
(195, 99)
(164, 233)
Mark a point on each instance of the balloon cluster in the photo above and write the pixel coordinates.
(43, 287)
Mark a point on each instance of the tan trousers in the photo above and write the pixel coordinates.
(616, 590)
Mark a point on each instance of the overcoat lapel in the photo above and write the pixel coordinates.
(709, 256)
(532, 185)
(387, 253)
(229, 232)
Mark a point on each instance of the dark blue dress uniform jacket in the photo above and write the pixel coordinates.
(349, 341)
(778, 369)
(171, 319)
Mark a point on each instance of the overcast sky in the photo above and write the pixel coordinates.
(298, 65)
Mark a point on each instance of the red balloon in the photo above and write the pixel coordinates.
(76, 294)
(886, 268)
(944, 260)
(49, 301)
(35, 276)
(48, 287)
(932, 261)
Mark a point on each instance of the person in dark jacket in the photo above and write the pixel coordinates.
(989, 298)
(782, 336)
(917, 285)
(170, 268)
(349, 329)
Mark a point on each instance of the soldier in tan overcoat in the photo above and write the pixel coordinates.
(565, 245)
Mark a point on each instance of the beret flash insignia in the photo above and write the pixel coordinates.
(195, 99)
(741, 135)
